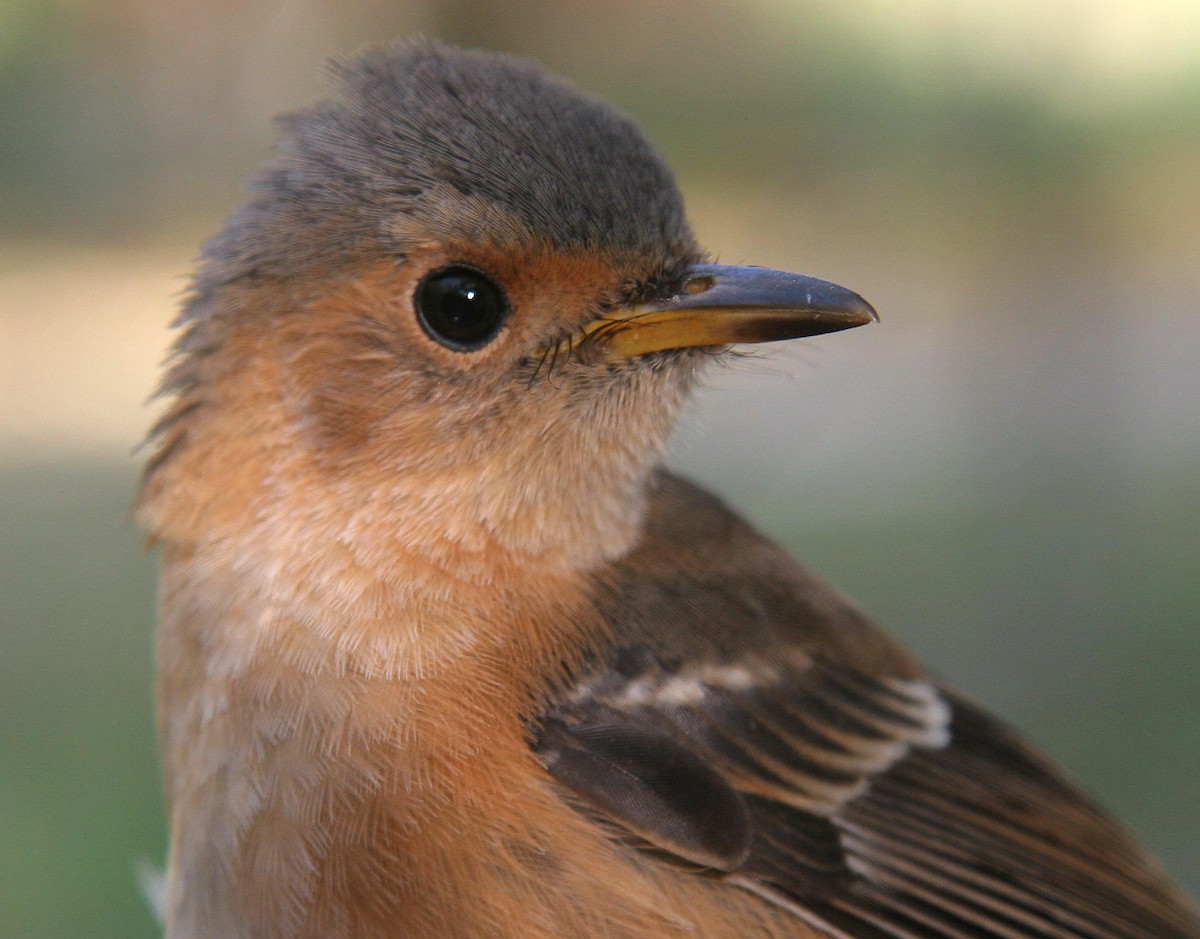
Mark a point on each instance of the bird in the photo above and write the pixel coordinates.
(444, 651)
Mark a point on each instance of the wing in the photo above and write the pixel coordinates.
(749, 724)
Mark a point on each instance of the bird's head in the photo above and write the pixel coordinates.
(465, 302)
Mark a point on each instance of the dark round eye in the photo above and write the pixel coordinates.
(460, 307)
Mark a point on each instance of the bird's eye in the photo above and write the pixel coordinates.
(460, 307)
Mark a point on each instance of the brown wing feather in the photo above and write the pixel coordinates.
(749, 720)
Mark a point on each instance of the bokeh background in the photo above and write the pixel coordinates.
(1004, 471)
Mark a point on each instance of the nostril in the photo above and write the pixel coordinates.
(699, 284)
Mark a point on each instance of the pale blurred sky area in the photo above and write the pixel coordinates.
(1004, 470)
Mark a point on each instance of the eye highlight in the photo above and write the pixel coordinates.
(460, 307)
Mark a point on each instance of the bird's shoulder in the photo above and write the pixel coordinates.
(746, 722)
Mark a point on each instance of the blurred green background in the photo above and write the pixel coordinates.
(1004, 471)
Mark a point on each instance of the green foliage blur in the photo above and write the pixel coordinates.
(1004, 471)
